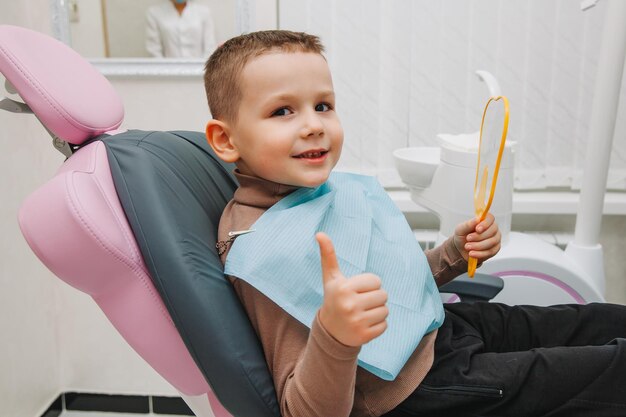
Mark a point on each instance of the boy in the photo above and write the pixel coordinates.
(273, 106)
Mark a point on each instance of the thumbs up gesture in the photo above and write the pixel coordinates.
(354, 310)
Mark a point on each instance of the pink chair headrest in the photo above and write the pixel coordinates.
(68, 95)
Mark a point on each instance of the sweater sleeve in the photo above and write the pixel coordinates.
(314, 374)
(446, 262)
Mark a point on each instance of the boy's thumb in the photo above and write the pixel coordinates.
(330, 266)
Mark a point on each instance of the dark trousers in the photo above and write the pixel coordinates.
(497, 360)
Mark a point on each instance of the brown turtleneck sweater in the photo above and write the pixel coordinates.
(314, 374)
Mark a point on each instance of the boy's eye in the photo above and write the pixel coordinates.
(283, 111)
(323, 107)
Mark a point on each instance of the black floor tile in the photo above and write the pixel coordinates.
(170, 405)
(103, 402)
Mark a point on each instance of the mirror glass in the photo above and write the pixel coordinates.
(493, 132)
(148, 37)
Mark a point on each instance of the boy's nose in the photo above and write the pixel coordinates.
(313, 125)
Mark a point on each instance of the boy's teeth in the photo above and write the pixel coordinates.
(311, 155)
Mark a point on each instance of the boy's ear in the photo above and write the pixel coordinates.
(218, 136)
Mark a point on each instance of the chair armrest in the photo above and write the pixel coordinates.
(482, 287)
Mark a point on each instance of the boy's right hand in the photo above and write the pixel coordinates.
(354, 310)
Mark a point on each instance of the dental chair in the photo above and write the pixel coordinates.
(131, 219)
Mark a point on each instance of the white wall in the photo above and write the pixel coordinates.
(404, 71)
(29, 344)
(29, 347)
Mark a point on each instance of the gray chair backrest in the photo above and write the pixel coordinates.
(173, 190)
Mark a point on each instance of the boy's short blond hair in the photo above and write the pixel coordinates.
(223, 68)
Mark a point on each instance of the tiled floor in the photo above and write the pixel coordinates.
(72, 404)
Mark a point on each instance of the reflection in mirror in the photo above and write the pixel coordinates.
(113, 33)
(180, 29)
(150, 28)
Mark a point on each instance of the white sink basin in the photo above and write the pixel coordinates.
(417, 165)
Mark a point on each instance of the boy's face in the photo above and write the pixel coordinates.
(287, 130)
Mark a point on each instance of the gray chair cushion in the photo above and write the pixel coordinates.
(173, 190)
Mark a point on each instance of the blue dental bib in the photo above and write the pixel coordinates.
(281, 259)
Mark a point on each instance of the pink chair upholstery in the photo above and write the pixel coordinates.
(88, 217)
(27, 59)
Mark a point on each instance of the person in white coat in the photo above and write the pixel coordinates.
(180, 29)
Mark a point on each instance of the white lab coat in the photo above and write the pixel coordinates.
(170, 35)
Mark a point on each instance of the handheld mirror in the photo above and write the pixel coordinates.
(493, 130)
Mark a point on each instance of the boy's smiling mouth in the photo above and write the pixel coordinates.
(312, 154)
